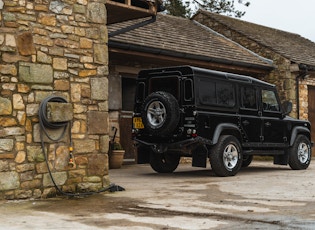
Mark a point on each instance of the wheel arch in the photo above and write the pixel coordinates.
(226, 129)
(299, 130)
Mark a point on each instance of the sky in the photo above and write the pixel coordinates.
(296, 16)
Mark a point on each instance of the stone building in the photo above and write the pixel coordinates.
(52, 47)
(166, 41)
(292, 55)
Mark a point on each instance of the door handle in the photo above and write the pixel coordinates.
(267, 124)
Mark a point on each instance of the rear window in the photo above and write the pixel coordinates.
(216, 93)
(166, 84)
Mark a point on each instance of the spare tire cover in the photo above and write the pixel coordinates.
(160, 113)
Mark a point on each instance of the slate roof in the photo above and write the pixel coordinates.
(290, 45)
(180, 37)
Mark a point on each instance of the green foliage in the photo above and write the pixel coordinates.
(185, 9)
(117, 146)
(178, 8)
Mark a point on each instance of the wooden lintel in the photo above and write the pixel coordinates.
(127, 69)
(169, 60)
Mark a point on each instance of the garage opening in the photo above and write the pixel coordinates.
(128, 84)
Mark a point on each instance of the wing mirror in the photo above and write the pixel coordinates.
(287, 107)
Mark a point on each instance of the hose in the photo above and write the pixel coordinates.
(43, 121)
(44, 125)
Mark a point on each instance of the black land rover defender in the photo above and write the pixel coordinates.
(199, 113)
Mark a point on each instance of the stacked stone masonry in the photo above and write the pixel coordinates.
(52, 47)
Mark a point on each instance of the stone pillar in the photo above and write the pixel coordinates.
(49, 48)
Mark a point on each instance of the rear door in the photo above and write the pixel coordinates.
(250, 117)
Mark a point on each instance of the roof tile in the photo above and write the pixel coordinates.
(185, 36)
(290, 45)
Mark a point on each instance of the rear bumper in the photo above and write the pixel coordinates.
(183, 144)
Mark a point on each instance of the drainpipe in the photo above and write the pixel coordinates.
(303, 74)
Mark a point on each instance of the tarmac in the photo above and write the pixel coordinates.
(262, 196)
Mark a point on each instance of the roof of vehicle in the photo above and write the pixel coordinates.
(193, 71)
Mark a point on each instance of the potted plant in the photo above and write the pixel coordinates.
(116, 155)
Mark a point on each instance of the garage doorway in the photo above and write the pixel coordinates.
(311, 112)
(128, 84)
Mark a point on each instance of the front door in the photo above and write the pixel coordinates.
(274, 128)
(311, 112)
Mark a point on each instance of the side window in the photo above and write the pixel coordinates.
(140, 92)
(225, 94)
(188, 90)
(207, 93)
(216, 93)
(269, 100)
(248, 98)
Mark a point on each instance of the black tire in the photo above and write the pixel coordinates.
(300, 153)
(226, 156)
(160, 113)
(164, 162)
(247, 159)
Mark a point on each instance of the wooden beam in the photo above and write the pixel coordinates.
(122, 56)
(118, 12)
(127, 69)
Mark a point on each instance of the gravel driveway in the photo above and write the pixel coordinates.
(262, 196)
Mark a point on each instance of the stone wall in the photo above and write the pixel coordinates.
(52, 47)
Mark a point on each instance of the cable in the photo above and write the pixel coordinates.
(44, 125)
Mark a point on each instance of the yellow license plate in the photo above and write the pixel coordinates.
(137, 123)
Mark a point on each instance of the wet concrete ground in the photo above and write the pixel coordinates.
(263, 196)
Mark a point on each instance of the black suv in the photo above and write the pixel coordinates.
(198, 113)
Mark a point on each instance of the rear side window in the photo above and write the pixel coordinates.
(216, 93)
(140, 92)
(188, 90)
(249, 98)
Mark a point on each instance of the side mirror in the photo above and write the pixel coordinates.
(287, 107)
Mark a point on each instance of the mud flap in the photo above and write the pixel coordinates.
(281, 159)
(199, 157)
(143, 155)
